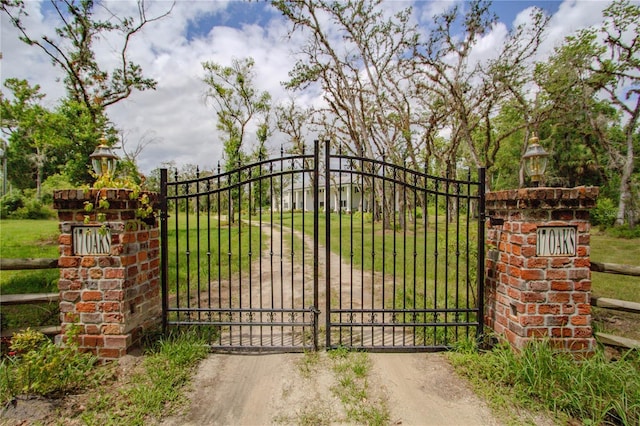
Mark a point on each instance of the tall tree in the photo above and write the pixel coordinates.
(237, 103)
(365, 75)
(470, 92)
(92, 83)
(36, 148)
(594, 70)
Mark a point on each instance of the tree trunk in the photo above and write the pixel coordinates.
(625, 182)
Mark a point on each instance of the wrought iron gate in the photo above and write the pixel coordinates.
(400, 268)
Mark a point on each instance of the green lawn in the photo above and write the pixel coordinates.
(615, 250)
(409, 256)
(217, 250)
(24, 239)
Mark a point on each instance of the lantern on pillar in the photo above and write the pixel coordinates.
(103, 160)
(535, 160)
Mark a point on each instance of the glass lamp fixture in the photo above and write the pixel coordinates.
(535, 160)
(103, 160)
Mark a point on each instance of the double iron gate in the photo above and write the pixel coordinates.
(284, 253)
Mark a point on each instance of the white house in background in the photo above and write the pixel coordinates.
(345, 196)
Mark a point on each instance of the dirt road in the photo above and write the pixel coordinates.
(413, 388)
(418, 389)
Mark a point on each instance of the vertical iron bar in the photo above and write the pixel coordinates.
(281, 242)
(373, 251)
(229, 260)
(327, 205)
(177, 205)
(404, 252)
(260, 206)
(446, 253)
(188, 252)
(198, 238)
(316, 237)
(468, 223)
(218, 196)
(362, 307)
(415, 250)
(481, 242)
(339, 210)
(164, 248)
(384, 240)
(351, 257)
(425, 223)
(435, 266)
(293, 214)
(271, 195)
(239, 257)
(209, 247)
(249, 197)
(457, 314)
(396, 206)
(304, 237)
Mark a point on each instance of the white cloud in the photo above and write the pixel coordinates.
(167, 51)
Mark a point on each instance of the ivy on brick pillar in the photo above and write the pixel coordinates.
(109, 269)
(538, 278)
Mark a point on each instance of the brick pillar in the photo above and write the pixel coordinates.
(538, 278)
(109, 269)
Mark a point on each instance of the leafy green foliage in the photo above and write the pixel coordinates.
(624, 231)
(18, 206)
(594, 390)
(604, 214)
(41, 367)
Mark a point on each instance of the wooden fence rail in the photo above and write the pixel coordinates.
(615, 304)
(28, 263)
(30, 298)
(614, 268)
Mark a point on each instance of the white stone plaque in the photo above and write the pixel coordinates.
(91, 240)
(556, 241)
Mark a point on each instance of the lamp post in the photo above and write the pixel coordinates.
(103, 160)
(535, 160)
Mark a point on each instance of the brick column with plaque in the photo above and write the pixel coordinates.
(109, 269)
(537, 275)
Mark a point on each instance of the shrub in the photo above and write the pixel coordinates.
(604, 214)
(10, 202)
(19, 205)
(33, 209)
(624, 231)
(38, 366)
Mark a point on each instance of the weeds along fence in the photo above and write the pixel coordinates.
(616, 304)
(29, 298)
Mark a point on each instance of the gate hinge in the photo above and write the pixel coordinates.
(496, 221)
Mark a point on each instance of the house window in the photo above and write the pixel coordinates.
(357, 189)
(343, 203)
(321, 203)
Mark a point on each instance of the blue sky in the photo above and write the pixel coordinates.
(172, 51)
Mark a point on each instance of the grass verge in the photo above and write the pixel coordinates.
(540, 379)
(153, 391)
